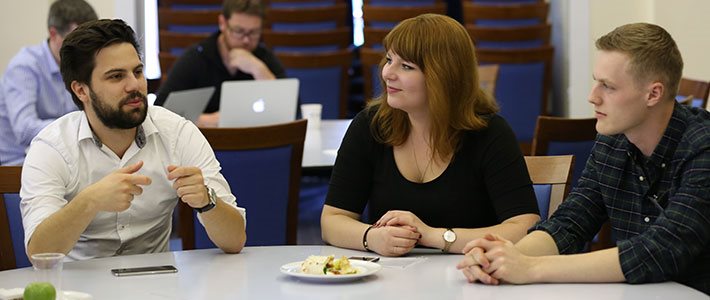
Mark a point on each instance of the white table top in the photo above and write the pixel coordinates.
(321, 146)
(255, 274)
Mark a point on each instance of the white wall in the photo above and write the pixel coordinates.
(686, 20)
(24, 22)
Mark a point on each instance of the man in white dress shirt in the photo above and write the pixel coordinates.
(104, 180)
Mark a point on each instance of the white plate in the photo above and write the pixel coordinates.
(364, 269)
(16, 293)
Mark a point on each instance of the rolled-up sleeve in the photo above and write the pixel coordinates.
(194, 150)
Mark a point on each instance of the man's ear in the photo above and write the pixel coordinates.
(656, 92)
(81, 91)
(222, 22)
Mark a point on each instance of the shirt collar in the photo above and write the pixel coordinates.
(663, 152)
(146, 129)
(51, 63)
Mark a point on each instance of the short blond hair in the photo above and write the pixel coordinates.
(653, 52)
(444, 52)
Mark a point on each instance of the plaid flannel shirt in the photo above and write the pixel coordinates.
(658, 207)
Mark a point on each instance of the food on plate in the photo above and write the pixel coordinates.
(327, 265)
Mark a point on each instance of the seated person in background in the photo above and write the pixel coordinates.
(32, 92)
(430, 157)
(104, 181)
(648, 174)
(233, 53)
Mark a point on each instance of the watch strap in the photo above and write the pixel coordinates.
(212, 196)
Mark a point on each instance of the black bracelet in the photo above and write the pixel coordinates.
(364, 238)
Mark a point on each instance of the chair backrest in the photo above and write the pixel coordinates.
(323, 78)
(12, 237)
(190, 3)
(522, 87)
(379, 16)
(308, 41)
(504, 15)
(530, 36)
(263, 168)
(307, 18)
(699, 90)
(487, 77)
(557, 136)
(182, 27)
(370, 67)
(551, 177)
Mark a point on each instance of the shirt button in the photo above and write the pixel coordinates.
(663, 165)
(646, 219)
(641, 178)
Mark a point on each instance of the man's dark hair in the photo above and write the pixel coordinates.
(247, 7)
(64, 13)
(78, 53)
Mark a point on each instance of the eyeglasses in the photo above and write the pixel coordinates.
(239, 33)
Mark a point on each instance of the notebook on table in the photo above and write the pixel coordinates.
(247, 103)
(189, 103)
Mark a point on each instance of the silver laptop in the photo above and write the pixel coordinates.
(189, 103)
(246, 103)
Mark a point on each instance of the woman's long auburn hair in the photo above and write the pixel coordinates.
(444, 52)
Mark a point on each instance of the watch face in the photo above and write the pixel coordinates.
(449, 236)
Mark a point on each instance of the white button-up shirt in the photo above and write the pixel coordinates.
(66, 157)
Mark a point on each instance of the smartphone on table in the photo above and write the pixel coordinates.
(143, 271)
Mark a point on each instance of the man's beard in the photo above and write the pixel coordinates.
(117, 118)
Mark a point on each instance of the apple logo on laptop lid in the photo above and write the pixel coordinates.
(258, 105)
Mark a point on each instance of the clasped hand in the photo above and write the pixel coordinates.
(396, 233)
(494, 260)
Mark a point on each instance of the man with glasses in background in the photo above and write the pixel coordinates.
(233, 53)
(32, 92)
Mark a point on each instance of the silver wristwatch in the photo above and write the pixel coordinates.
(213, 201)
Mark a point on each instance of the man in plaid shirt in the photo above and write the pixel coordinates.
(648, 174)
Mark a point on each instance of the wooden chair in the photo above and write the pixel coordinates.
(312, 41)
(306, 18)
(510, 37)
(9, 184)
(579, 134)
(551, 177)
(324, 78)
(379, 16)
(487, 77)
(181, 28)
(557, 129)
(514, 14)
(263, 168)
(370, 67)
(696, 89)
(522, 87)
(172, 3)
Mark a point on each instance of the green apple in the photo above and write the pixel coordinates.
(40, 291)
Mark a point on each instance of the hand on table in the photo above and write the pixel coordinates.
(494, 260)
(392, 240)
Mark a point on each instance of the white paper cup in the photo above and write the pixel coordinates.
(312, 112)
(48, 268)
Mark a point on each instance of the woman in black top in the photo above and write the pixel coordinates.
(430, 157)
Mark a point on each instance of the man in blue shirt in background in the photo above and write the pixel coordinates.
(32, 92)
